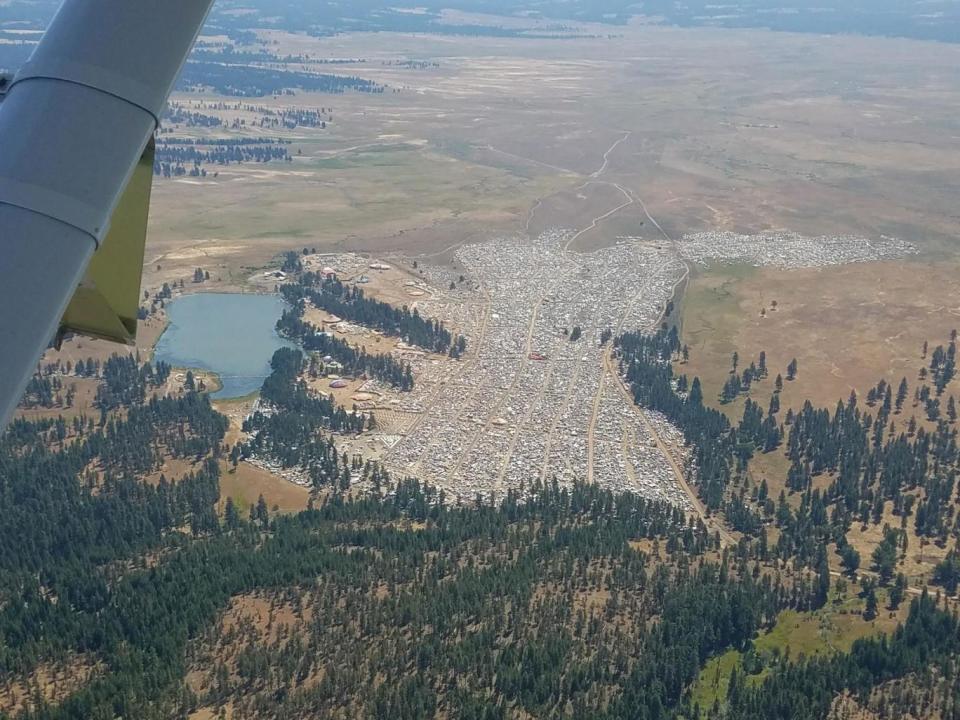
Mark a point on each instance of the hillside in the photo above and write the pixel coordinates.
(138, 600)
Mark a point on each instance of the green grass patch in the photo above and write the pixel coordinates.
(358, 194)
(373, 156)
(833, 628)
(710, 307)
(710, 317)
(711, 686)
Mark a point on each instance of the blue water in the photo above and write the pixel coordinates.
(231, 335)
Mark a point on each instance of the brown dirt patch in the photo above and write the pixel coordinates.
(51, 682)
(247, 483)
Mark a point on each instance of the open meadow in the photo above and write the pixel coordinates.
(475, 137)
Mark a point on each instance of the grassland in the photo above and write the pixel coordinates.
(833, 628)
(248, 215)
(732, 130)
(247, 483)
(848, 327)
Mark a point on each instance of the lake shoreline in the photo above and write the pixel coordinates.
(229, 337)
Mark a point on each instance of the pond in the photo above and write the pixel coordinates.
(231, 335)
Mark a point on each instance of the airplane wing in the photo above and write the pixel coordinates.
(107, 301)
(75, 122)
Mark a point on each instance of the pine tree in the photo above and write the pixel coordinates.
(885, 556)
(823, 576)
(231, 517)
(696, 393)
(774, 405)
(897, 593)
(734, 687)
(849, 558)
(262, 515)
(902, 393)
(870, 611)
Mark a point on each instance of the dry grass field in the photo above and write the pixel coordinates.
(848, 327)
(739, 130)
(247, 483)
